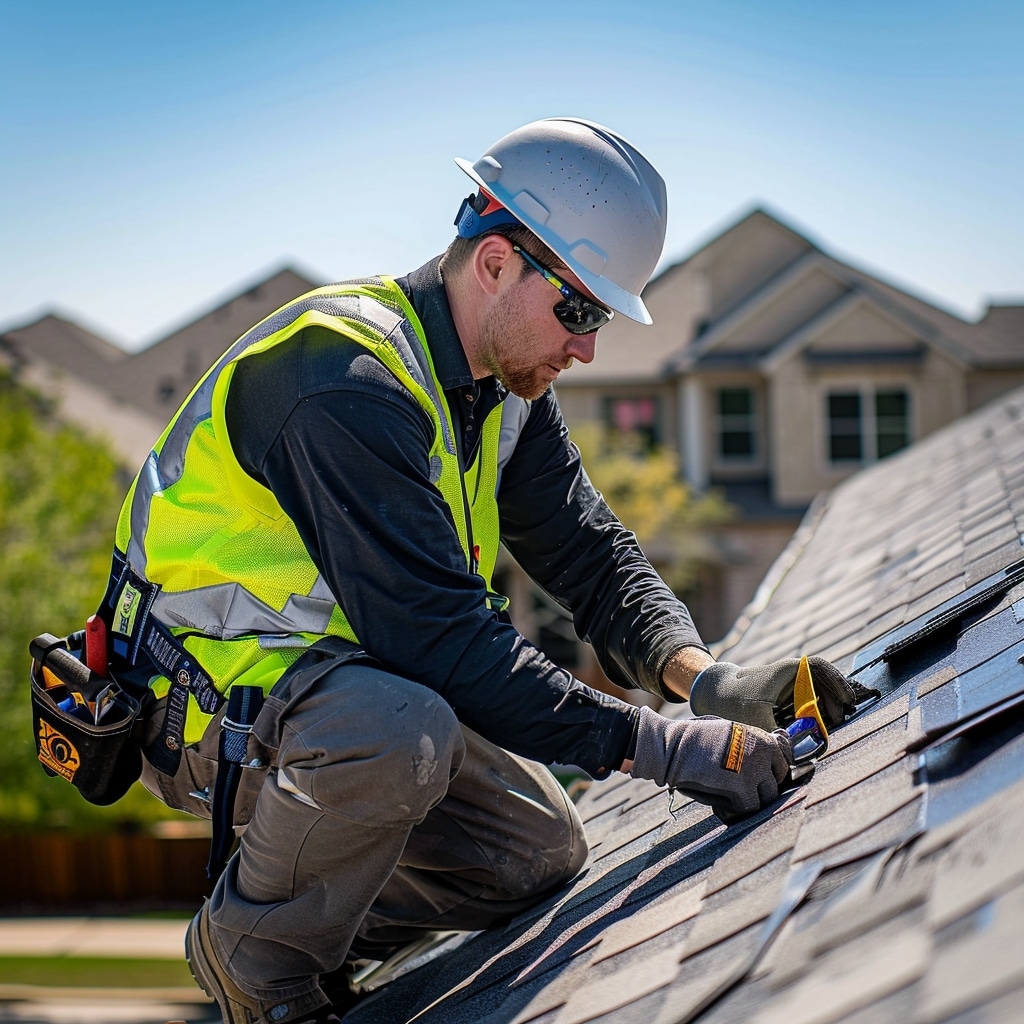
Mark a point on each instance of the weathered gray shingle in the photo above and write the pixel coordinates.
(888, 888)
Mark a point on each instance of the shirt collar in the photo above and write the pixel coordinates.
(425, 289)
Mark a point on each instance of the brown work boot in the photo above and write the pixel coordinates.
(236, 1006)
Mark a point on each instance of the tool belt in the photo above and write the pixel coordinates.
(88, 726)
(84, 723)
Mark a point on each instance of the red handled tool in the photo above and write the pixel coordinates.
(96, 645)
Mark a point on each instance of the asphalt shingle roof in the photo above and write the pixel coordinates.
(888, 888)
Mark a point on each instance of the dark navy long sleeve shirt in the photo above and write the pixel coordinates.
(345, 447)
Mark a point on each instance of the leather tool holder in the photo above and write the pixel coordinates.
(100, 759)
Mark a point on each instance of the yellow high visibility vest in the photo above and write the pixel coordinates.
(236, 585)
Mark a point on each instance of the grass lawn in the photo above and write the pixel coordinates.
(81, 971)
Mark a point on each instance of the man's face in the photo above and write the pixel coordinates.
(522, 342)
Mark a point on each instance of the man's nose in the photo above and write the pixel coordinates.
(582, 346)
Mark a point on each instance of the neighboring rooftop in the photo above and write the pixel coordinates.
(62, 343)
(888, 888)
(129, 398)
(760, 288)
(160, 376)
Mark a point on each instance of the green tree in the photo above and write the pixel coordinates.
(643, 488)
(59, 496)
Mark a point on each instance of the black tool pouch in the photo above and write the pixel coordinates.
(101, 760)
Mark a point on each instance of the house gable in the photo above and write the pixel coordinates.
(863, 328)
(774, 312)
(744, 259)
(159, 377)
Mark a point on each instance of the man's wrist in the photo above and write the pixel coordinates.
(683, 668)
(677, 677)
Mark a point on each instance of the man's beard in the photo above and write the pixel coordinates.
(502, 343)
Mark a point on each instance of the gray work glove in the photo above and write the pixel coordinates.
(735, 769)
(763, 696)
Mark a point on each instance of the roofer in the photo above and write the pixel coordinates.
(315, 536)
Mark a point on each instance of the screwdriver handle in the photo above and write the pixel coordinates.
(96, 645)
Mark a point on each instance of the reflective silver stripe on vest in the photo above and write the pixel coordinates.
(228, 610)
(514, 412)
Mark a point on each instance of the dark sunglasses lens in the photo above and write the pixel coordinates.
(581, 317)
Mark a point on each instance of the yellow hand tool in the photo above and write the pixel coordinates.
(807, 731)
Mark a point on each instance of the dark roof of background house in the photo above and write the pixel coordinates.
(632, 352)
(1005, 324)
(156, 379)
(60, 342)
(753, 499)
(159, 377)
(888, 888)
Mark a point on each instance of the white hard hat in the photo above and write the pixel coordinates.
(588, 195)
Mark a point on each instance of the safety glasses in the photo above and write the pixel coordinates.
(576, 314)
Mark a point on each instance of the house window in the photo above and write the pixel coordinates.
(865, 425)
(736, 426)
(892, 422)
(636, 415)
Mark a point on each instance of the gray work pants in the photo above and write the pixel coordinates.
(381, 817)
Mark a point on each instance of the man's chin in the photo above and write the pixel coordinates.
(530, 389)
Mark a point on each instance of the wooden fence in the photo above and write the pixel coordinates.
(57, 872)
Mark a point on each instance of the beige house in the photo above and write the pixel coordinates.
(776, 371)
(772, 368)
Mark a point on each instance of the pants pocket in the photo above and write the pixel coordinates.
(191, 788)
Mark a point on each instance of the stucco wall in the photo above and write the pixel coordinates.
(985, 385)
(797, 411)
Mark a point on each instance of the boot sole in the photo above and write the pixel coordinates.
(206, 976)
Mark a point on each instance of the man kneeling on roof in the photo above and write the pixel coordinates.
(313, 540)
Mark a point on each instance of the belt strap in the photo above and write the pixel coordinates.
(134, 631)
(186, 676)
(244, 705)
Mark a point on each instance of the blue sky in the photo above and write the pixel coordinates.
(155, 158)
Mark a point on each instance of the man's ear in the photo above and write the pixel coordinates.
(493, 264)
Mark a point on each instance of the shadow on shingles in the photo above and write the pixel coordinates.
(537, 946)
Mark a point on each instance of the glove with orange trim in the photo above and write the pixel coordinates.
(733, 767)
(763, 696)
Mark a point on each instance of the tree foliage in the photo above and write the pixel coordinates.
(59, 496)
(643, 488)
